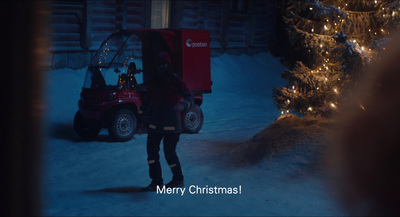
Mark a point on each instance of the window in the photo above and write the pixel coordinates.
(160, 14)
(238, 5)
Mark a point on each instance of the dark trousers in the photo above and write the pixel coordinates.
(153, 147)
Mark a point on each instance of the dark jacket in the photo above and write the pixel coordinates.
(168, 96)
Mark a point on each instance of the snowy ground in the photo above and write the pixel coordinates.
(240, 106)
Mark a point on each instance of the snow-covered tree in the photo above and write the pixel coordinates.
(335, 41)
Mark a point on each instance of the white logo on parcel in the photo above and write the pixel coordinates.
(192, 44)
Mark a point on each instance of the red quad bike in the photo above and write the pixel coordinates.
(114, 92)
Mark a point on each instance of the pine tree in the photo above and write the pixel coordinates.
(335, 40)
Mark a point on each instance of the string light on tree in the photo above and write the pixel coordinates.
(333, 41)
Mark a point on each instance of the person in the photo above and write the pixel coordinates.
(167, 97)
(364, 155)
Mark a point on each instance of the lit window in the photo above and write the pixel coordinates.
(159, 14)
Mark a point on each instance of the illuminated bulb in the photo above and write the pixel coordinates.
(317, 88)
(333, 105)
(381, 30)
(293, 87)
(346, 4)
(282, 112)
(327, 68)
(287, 111)
(309, 109)
(362, 48)
(362, 107)
(312, 30)
(311, 9)
(376, 1)
(327, 20)
(294, 91)
(326, 28)
(354, 41)
(320, 45)
(336, 91)
(326, 79)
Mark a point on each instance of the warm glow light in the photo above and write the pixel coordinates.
(326, 28)
(311, 9)
(333, 105)
(309, 109)
(362, 48)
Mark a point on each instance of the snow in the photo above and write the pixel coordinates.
(240, 106)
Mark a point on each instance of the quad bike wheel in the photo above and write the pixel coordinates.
(85, 128)
(192, 119)
(122, 124)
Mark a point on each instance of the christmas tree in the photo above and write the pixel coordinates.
(335, 41)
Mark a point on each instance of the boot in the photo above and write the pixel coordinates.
(175, 183)
(153, 185)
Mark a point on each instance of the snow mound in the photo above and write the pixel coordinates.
(307, 136)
